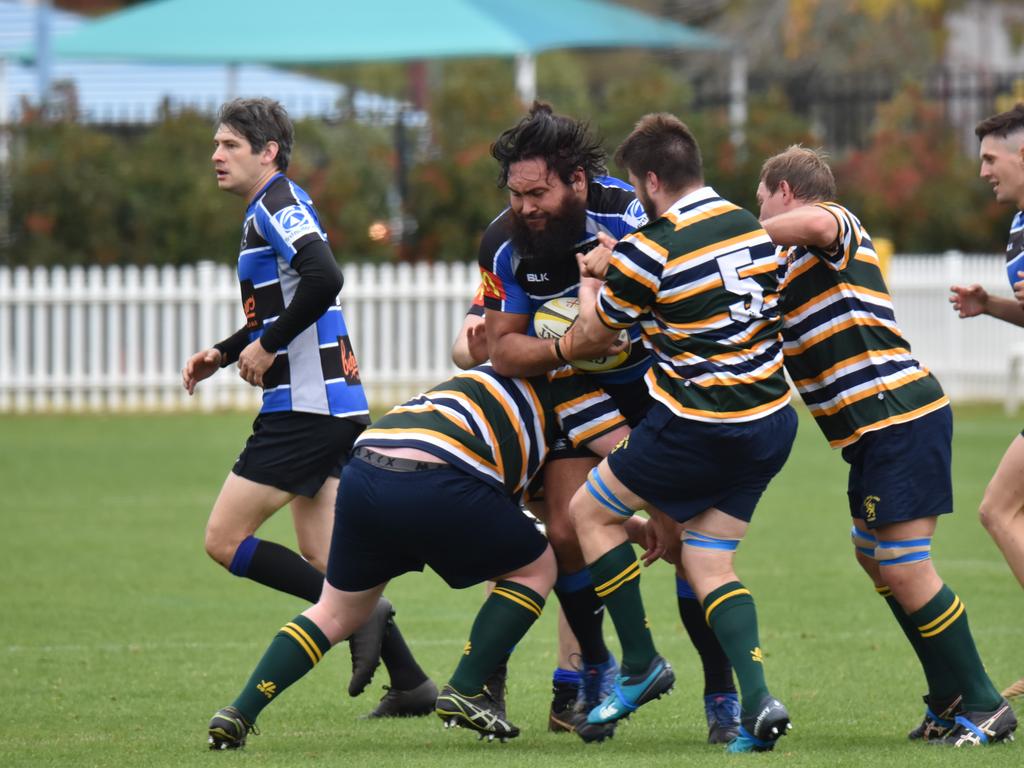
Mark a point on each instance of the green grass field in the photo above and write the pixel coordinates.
(119, 637)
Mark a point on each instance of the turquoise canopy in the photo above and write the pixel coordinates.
(321, 31)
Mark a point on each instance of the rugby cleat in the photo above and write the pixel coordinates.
(364, 645)
(722, 711)
(936, 726)
(976, 729)
(633, 691)
(566, 712)
(496, 686)
(478, 712)
(597, 681)
(760, 731)
(415, 702)
(229, 729)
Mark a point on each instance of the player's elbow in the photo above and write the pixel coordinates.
(822, 230)
(503, 366)
(334, 282)
(461, 357)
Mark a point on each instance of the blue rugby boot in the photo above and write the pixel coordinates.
(633, 691)
(597, 681)
(722, 711)
(977, 729)
(759, 732)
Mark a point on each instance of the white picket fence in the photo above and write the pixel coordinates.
(114, 339)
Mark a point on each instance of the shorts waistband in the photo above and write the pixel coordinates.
(394, 463)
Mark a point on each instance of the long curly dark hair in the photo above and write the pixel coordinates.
(563, 143)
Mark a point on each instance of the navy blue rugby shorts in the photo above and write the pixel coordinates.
(684, 467)
(902, 472)
(387, 523)
(296, 451)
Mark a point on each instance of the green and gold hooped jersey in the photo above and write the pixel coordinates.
(842, 346)
(495, 427)
(701, 282)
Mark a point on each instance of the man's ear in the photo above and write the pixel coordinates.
(269, 153)
(786, 190)
(579, 180)
(652, 181)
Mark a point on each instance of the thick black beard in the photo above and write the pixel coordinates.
(563, 231)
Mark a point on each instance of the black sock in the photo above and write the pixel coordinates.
(584, 612)
(277, 567)
(403, 670)
(717, 669)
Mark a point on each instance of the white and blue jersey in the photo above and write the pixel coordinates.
(520, 286)
(1015, 249)
(317, 372)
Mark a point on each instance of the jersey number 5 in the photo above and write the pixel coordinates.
(749, 307)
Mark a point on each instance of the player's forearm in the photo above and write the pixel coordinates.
(320, 280)
(462, 356)
(589, 336)
(1005, 309)
(516, 354)
(810, 225)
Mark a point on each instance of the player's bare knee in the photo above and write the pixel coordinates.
(994, 517)
(220, 546)
(543, 571)
(314, 557)
(561, 533)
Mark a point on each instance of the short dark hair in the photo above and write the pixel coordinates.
(563, 143)
(260, 121)
(1003, 124)
(661, 143)
(805, 170)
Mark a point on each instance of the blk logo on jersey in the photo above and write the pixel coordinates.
(536, 278)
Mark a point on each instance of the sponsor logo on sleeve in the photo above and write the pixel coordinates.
(635, 214)
(295, 222)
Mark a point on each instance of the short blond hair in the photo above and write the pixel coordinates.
(805, 170)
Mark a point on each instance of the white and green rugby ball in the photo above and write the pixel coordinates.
(556, 316)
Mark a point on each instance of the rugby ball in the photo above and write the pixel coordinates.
(556, 316)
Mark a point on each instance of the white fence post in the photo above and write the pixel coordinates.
(6, 321)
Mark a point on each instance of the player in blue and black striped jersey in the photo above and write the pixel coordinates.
(437, 481)
(294, 345)
(561, 200)
(1002, 166)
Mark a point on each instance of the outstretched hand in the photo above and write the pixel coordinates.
(972, 300)
(202, 365)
